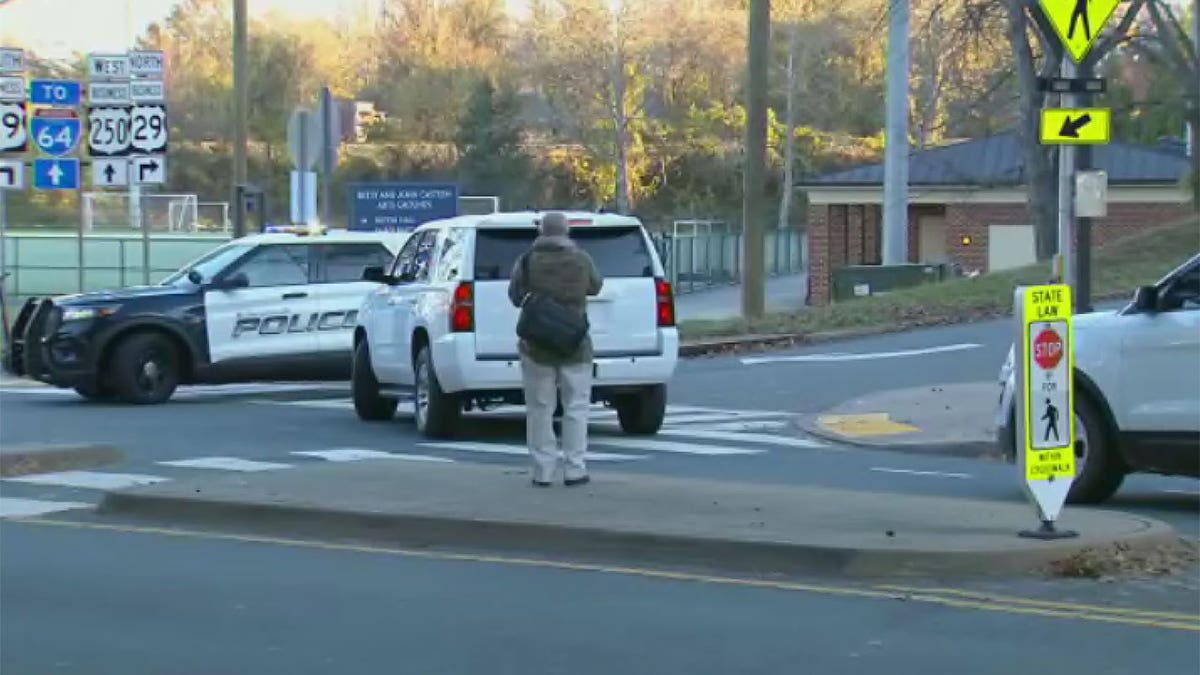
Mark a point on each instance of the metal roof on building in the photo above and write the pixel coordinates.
(995, 161)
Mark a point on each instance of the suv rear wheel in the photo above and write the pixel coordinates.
(369, 405)
(1099, 469)
(435, 412)
(642, 414)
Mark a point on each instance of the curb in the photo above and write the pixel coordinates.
(719, 346)
(22, 460)
(964, 449)
(620, 547)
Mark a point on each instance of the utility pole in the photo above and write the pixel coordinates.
(1066, 196)
(1082, 235)
(895, 167)
(754, 276)
(240, 106)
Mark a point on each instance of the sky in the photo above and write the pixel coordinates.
(112, 25)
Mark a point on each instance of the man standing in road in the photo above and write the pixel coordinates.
(556, 268)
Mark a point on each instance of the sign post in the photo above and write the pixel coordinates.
(305, 147)
(1078, 24)
(1045, 401)
(14, 141)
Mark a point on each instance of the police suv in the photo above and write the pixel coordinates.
(1137, 388)
(440, 325)
(278, 305)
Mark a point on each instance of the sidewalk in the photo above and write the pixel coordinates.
(632, 519)
(784, 294)
(950, 419)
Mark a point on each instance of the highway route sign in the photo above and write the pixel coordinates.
(13, 135)
(109, 131)
(147, 91)
(61, 93)
(148, 169)
(1076, 126)
(108, 93)
(1078, 23)
(12, 60)
(56, 174)
(108, 172)
(12, 88)
(151, 64)
(1045, 395)
(149, 126)
(55, 134)
(12, 174)
(108, 66)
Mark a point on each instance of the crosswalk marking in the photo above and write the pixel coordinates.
(359, 454)
(225, 464)
(750, 425)
(671, 446)
(722, 417)
(15, 507)
(506, 449)
(746, 436)
(96, 480)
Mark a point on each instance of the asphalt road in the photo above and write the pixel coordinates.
(729, 421)
(97, 601)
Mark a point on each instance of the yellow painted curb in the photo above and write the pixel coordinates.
(865, 424)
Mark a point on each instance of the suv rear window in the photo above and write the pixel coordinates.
(617, 251)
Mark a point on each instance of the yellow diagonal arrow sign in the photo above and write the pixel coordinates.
(1078, 22)
(1076, 126)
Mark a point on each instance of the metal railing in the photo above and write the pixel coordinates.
(703, 257)
(42, 264)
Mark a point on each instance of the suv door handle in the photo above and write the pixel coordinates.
(294, 296)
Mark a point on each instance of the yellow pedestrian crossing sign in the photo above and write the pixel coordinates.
(1078, 22)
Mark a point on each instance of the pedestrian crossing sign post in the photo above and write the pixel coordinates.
(1044, 397)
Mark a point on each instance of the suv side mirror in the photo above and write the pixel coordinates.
(375, 274)
(195, 277)
(238, 280)
(1145, 299)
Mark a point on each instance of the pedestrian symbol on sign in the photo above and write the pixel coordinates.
(1051, 419)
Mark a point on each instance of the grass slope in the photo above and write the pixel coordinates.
(1117, 269)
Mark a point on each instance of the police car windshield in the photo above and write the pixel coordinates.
(209, 265)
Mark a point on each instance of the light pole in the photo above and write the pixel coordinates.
(754, 278)
(240, 105)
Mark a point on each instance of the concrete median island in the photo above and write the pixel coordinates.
(734, 527)
(25, 459)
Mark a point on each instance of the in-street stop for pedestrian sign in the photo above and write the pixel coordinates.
(1046, 419)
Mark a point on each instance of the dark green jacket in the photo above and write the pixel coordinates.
(560, 269)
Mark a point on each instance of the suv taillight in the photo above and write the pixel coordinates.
(462, 308)
(665, 303)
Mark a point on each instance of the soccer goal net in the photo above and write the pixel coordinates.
(180, 213)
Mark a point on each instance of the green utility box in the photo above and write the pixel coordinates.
(859, 281)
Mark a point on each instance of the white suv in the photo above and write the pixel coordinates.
(440, 325)
(1137, 388)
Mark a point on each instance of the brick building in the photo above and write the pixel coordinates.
(967, 206)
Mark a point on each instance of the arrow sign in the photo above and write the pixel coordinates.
(110, 173)
(1076, 126)
(146, 170)
(56, 174)
(1070, 127)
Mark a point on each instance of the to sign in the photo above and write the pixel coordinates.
(56, 136)
(63, 93)
(109, 131)
(13, 137)
(149, 125)
(1044, 395)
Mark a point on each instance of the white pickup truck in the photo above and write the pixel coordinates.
(441, 327)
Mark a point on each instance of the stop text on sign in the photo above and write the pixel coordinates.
(1048, 349)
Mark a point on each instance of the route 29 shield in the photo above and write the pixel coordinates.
(1044, 395)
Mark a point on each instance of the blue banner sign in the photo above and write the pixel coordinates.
(400, 206)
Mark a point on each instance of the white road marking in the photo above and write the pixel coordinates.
(940, 474)
(866, 356)
(753, 425)
(225, 464)
(328, 403)
(1189, 493)
(721, 417)
(505, 449)
(194, 391)
(12, 507)
(749, 437)
(671, 446)
(95, 480)
(359, 454)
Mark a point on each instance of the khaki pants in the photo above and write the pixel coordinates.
(542, 385)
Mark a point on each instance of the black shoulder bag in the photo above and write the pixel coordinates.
(546, 323)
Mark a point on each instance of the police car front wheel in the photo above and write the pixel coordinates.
(144, 368)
